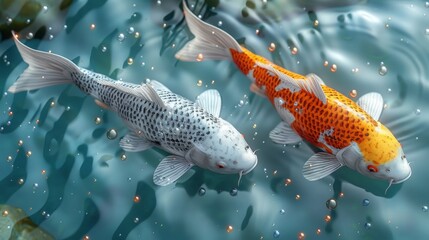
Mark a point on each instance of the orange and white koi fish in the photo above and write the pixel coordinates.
(348, 132)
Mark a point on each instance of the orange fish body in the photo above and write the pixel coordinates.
(348, 132)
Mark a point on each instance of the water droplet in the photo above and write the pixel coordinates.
(219, 24)
(121, 37)
(418, 111)
(254, 126)
(386, 25)
(318, 231)
(20, 143)
(5, 213)
(30, 35)
(316, 23)
(28, 154)
(35, 185)
(68, 108)
(136, 199)
(86, 237)
(92, 26)
(199, 83)
(327, 218)
(365, 202)
(130, 61)
(287, 182)
(325, 63)
(425, 208)
(282, 211)
(383, 70)
(97, 120)
(9, 158)
(297, 197)
(367, 225)
(123, 157)
(45, 8)
(202, 191)
(111, 134)
(130, 30)
(229, 229)
(20, 181)
(200, 57)
(331, 204)
(353, 93)
(276, 234)
(51, 37)
(294, 50)
(136, 34)
(272, 47)
(9, 21)
(301, 236)
(334, 68)
(136, 220)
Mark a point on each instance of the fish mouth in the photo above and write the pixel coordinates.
(251, 168)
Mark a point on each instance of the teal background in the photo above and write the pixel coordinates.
(88, 190)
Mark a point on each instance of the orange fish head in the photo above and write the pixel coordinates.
(397, 170)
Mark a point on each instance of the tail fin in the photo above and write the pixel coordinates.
(45, 69)
(209, 43)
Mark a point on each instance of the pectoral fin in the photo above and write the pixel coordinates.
(284, 134)
(372, 103)
(133, 143)
(170, 169)
(210, 101)
(255, 89)
(320, 165)
(102, 104)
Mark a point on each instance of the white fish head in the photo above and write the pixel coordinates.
(224, 151)
(395, 171)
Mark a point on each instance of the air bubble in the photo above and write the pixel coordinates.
(365, 202)
(367, 225)
(130, 30)
(276, 234)
(353, 93)
(282, 211)
(97, 120)
(199, 83)
(30, 35)
(233, 192)
(294, 50)
(121, 37)
(383, 70)
(334, 68)
(130, 61)
(425, 208)
(202, 191)
(8, 21)
(200, 57)
(111, 134)
(219, 24)
(272, 47)
(229, 229)
(418, 111)
(331, 204)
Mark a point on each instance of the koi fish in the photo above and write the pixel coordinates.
(349, 133)
(156, 117)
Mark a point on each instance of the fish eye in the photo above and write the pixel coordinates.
(387, 169)
(403, 157)
(246, 147)
(372, 168)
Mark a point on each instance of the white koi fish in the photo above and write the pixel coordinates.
(192, 132)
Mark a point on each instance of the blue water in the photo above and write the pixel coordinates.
(74, 182)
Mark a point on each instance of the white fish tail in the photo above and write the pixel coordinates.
(44, 70)
(209, 43)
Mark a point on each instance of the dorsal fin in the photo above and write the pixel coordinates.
(145, 91)
(210, 101)
(311, 84)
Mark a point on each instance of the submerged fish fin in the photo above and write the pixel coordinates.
(133, 143)
(284, 134)
(210, 42)
(170, 169)
(102, 104)
(349, 155)
(45, 69)
(372, 103)
(311, 83)
(315, 78)
(145, 91)
(159, 86)
(196, 155)
(320, 165)
(255, 89)
(210, 101)
(283, 112)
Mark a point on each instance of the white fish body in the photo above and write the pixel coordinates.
(192, 132)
